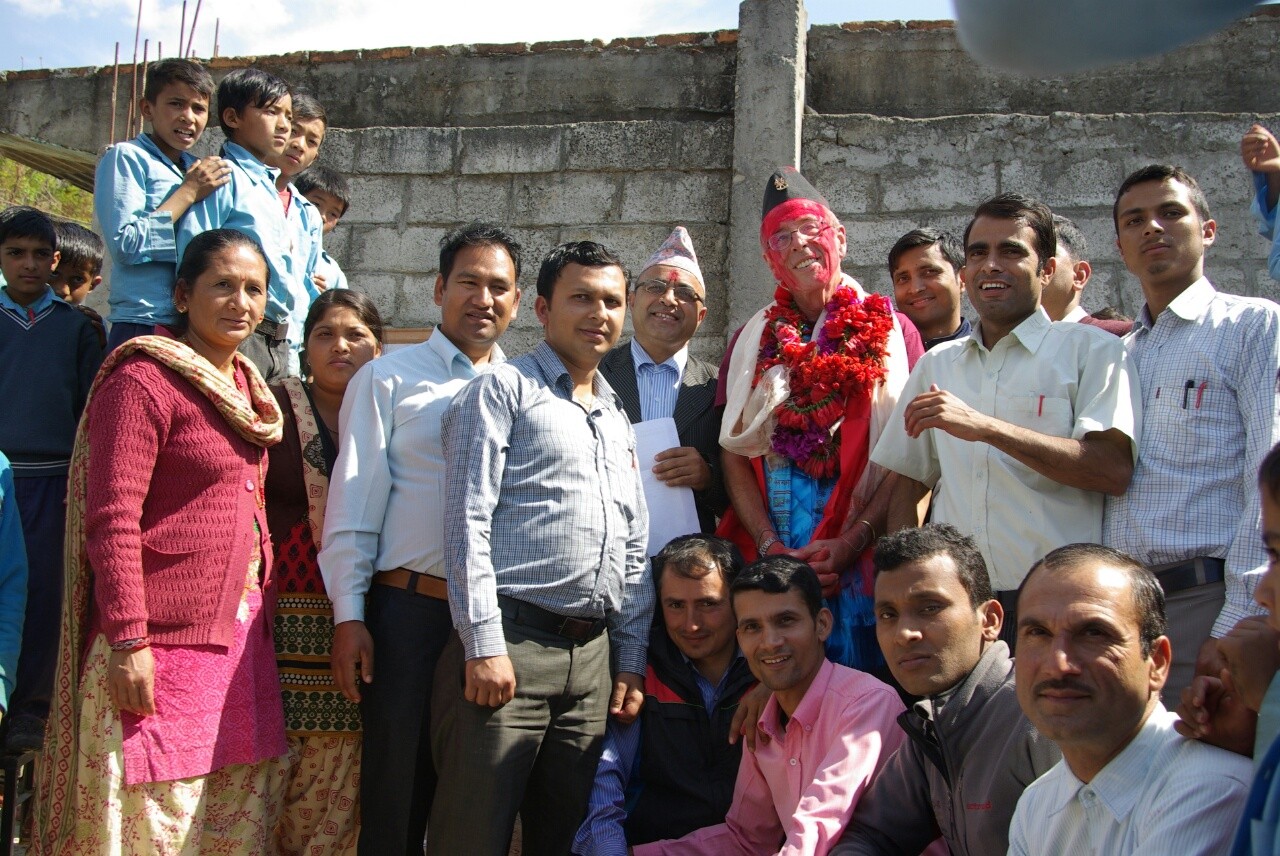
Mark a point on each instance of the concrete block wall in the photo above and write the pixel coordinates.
(885, 177)
(624, 184)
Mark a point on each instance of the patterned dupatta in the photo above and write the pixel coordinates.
(257, 420)
(304, 615)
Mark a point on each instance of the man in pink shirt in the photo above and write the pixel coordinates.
(827, 729)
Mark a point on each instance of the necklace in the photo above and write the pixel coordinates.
(845, 358)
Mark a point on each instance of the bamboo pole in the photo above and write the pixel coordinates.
(217, 24)
(133, 83)
(146, 47)
(192, 37)
(182, 32)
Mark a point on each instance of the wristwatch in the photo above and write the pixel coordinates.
(763, 547)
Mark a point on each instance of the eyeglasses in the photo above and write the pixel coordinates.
(658, 288)
(780, 241)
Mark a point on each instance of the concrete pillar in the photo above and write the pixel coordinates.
(768, 111)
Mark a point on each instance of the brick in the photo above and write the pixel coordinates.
(388, 53)
(501, 50)
(678, 39)
(568, 198)
(390, 151)
(674, 197)
(510, 150)
(334, 56)
(726, 37)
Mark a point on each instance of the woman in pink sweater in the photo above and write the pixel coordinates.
(168, 734)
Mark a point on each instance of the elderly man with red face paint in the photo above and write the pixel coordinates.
(808, 385)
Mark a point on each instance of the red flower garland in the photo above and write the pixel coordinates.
(846, 358)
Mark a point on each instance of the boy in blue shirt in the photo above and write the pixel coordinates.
(305, 224)
(13, 584)
(327, 190)
(255, 110)
(49, 354)
(142, 189)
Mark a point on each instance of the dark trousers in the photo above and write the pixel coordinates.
(42, 508)
(535, 755)
(123, 331)
(397, 776)
(271, 357)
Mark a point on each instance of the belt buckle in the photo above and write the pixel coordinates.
(574, 628)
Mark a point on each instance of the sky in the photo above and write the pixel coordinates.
(71, 33)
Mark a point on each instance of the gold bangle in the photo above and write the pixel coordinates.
(870, 529)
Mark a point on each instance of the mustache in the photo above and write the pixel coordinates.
(1062, 684)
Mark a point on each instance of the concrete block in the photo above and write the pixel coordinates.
(850, 191)
(510, 150)
(376, 199)
(419, 151)
(378, 249)
(1061, 181)
(383, 290)
(869, 239)
(415, 301)
(937, 185)
(338, 151)
(676, 197)
(610, 146)
(565, 198)
(450, 200)
(706, 145)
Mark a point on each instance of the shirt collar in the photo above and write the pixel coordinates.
(963, 330)
(247, 161)
(1119, 784)
(40, 304)
(806, 712)
(1075, 314)
(676, 361)
(186, 159)
(1190, 305)
(459, 364)
(552, 368)
(1030, 333)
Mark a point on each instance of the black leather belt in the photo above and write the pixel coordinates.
(577, 630)
(1179, 576)
(274, 330)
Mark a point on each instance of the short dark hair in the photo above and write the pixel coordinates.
(1269, 473)
(779, 575)
(23, 221)
(306, 107)
(912, 545)
(248, 87)
(162, 72)
(1110, 313)
(1162, 172)
(1148, 596)
(322, 178)
(79, 246)
(478, 235)
(585, 253)
(927, 236)
(688, 556)
(1015, 206)
(1070, 238)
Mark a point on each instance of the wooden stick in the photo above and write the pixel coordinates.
(182, 31)
(146, 47)
(115, 85)
(133, 83)
(192, 38)
(217, 24)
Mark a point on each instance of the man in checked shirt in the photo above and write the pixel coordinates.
(1207, 365)
(545, 536)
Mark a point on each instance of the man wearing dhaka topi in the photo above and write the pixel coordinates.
(808, 386)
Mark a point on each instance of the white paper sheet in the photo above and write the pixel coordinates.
(671, 509)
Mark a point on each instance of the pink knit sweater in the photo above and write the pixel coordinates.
(172, 498)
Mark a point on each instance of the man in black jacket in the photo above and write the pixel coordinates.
(971, 751)
(673, 770)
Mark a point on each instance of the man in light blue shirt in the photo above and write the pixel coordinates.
(383, 553)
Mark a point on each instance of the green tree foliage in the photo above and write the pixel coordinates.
(22, 185)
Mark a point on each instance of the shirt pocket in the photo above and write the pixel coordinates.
(1195, 434)
(1043, 414)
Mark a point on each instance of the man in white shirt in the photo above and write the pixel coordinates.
(1061, 298)
(383, 555)
(1092, 659)
(1022, 427)
(1207, 363)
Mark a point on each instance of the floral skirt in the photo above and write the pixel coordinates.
(321, 812)
(232, 810)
